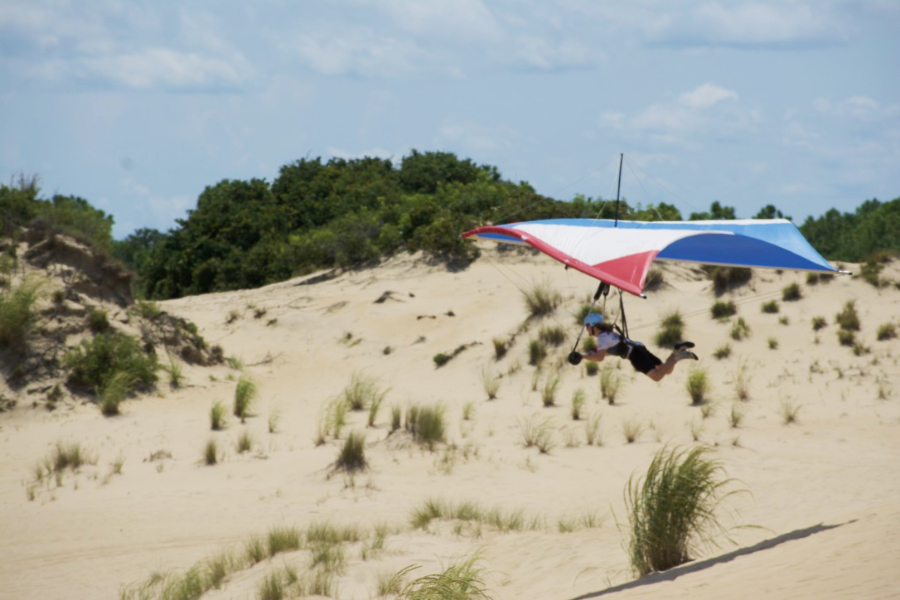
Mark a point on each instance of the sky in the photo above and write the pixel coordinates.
(138, 106)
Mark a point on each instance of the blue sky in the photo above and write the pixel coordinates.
(137, 106)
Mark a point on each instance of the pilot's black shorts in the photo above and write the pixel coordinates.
(642, 359)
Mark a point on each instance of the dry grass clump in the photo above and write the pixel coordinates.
(671, 330)
(460, 581)
(610, 383)
(426, 424)
(592, 433)
(723, 310)
(467, 511)
(578, 399)
(672, 508)
(655, 278)
(723, 351)
(541, 299)
(211, 452)
(789, 410)
(490, 381)
(632, 429)
(548, 392)
(538, 432)
(819, 323)
(352, 456)
(362, 392)
(552, 335)
(537, 352)
(63, 456)
(244, 442)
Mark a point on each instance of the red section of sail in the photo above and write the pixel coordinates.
(632, 268)
(629, 265)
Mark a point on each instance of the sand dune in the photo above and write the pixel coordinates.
(821, 520)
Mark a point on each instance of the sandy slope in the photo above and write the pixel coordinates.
(823, 491)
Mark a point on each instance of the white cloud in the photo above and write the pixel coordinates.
(163, 67)
(459, 20)
(708, 111)
(356, 51)
(857, 107)
(750, 24)
(706, 95)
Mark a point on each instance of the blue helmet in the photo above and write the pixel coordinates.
(593, 319)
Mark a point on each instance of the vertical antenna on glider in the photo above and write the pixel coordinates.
(619, 189)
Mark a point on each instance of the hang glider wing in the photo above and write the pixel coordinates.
(620, 254)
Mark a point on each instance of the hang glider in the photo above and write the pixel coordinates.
(620, 252)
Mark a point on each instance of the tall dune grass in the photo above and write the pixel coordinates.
(672, 509)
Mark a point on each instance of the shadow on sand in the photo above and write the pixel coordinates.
(693, 567)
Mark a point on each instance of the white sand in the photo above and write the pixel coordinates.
(824, 497)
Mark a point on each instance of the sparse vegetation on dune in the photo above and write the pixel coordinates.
(111, 357)
(723, 310)
(352, 456)
(698, 385)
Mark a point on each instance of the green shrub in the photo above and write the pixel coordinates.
(791, 293)
(17, 314)
(773, 343)
(723, 351)
(211, 452)
(541, 299)
(770, 307)
(671, 330)
(848, 318)
(818, 323)
(591, 368)
(441, 359)
(721, 310)
(94, 363)
(672, 509)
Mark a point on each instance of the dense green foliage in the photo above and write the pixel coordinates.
(873, 227)
(350, 213)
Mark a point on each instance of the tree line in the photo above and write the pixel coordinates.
(352, 213)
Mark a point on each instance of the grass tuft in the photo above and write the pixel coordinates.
(697, 385)
(541, 299)
(17, 312)
(352, 456)
(770, 307)
(791, 293)
(672, 508)
(490, 382)
(723, 310)
(217, 416)
(244, 397)
(671, 330)
(426, 424)
(610, 383)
